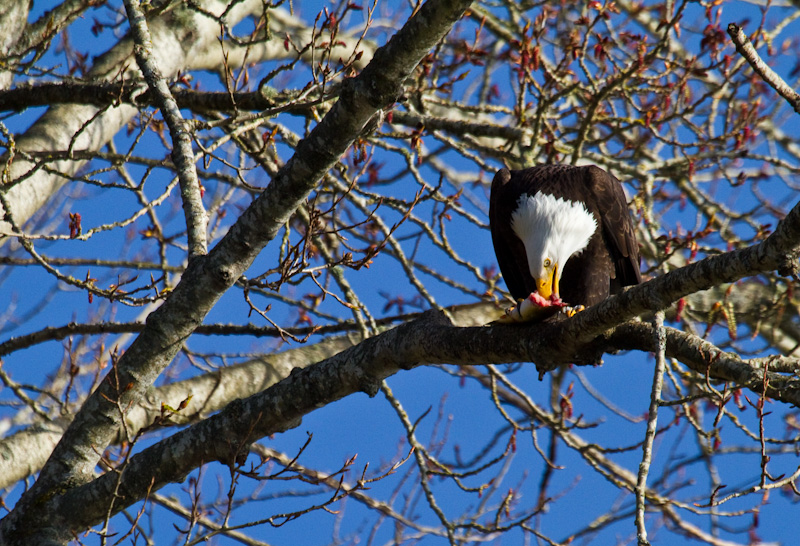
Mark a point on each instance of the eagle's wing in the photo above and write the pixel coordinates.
(617, 225)
(508, 248)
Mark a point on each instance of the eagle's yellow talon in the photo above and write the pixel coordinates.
(513, 314)
(572, 311)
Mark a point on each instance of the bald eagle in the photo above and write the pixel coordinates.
(561, 231)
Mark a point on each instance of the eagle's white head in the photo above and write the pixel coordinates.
(552, 230)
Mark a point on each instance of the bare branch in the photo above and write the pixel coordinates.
(182, 155)
(746, 50)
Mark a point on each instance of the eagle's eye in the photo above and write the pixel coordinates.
(547, 263)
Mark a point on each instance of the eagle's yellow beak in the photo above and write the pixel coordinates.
(548, 286)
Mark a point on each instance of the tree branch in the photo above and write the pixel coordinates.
(182, 155)
(746, 50)
(430, 339)
(652, 428)
(128, 92)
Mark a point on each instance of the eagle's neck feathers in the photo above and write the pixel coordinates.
(551, 228)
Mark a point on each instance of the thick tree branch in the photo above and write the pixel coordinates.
(427, 340)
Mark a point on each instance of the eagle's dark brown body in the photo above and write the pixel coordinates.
(611, 258)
